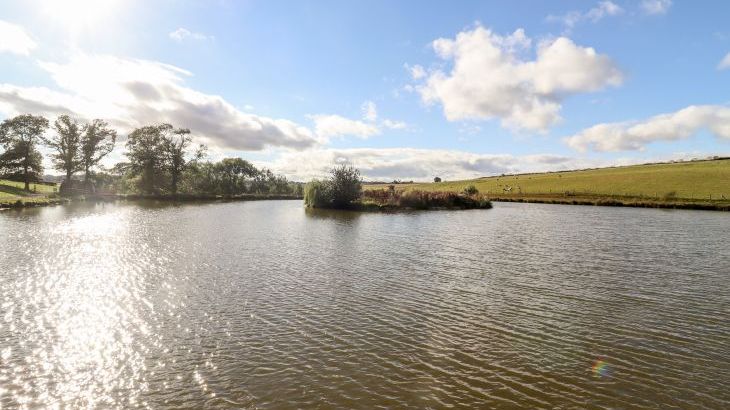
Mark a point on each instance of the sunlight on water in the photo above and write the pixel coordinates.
(78, 312)
(263, 305)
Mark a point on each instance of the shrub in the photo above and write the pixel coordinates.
(426, 199)
(471, 190)
(412, 199)
(379, 195)
(437, 179)
(317, 194)
(345, 185)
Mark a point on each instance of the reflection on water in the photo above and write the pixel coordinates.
(261, 304)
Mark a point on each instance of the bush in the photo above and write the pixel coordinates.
(345, 185)
(471, 190)
(437, 179)
(317, 194)
(425, 199)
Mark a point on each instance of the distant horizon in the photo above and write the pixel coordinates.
(59, 177)
(455, 91)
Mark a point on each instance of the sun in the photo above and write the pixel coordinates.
(77, 15)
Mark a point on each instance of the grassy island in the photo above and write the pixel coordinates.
(343, 190)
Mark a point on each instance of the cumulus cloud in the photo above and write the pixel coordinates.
(724, 63)
(387, 164)
(601, 10)
(632, 136)
(132, 92)
(329, 126)
(656, 6)
(14, 39)
(182, 34)
(491, 79)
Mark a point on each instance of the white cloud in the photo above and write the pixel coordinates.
(14, 39)
(131, 93)
(724, 63)
(656, 6)
(628, 136)
(489, 78)
(329, 126)
(394, 125)
(601, 10)
(182, 34)
(369, 111)
(387, 164)
(417, 72)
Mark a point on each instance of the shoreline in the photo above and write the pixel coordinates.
(21, 204)
(629, 202)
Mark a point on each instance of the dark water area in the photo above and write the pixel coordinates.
(266, 305)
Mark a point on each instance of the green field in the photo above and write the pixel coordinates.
(12, 191)
(696, 181)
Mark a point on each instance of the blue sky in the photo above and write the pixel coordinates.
(402, 89)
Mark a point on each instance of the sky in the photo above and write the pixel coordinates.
(404, 90)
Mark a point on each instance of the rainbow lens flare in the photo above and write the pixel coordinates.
(600, 368)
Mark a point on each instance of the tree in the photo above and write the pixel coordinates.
(175, 146)
(233, 172)
(437, 179)
(346, 185)
(317, 194)
(146, 153)
(66, 145)
(260, 183)
(19, 137)
(97, 142)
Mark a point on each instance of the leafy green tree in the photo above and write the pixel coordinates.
(19, 138)
(97, 141)
(233, 173)
(260, 183)
(345, 185)
(146, 153)
(317, 194)
(175, 146)
(66, 145)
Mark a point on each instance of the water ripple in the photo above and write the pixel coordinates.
(264, 305)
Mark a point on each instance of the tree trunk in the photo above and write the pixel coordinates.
(26, 177)
(174, 182)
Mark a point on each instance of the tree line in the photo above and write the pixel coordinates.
(161, 160)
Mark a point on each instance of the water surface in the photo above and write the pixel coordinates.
(264, 305)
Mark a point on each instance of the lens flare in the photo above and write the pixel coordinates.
(600, 368)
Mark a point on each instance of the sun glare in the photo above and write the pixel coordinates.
(76, 15)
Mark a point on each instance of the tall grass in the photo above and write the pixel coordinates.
(424, 199)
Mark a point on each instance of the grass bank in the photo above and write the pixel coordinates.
(686, 185)
(12, 195)
(194, 197)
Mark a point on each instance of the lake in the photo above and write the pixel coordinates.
(266, 305)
